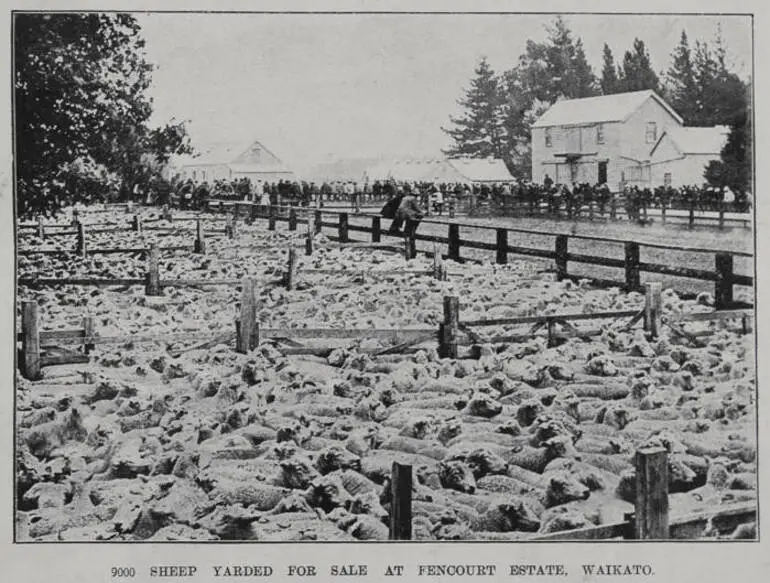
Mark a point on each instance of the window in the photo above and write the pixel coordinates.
(600, 134)
(548, 137)
(667, 179)
(651, 133)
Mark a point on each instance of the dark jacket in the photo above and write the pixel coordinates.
(389, 210)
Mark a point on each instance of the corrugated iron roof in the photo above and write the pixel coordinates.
(600, 109)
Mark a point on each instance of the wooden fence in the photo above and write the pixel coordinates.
(651, 519)
(723, 275)
(451, 333)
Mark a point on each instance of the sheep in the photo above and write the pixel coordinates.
(457, 475)
(44, 439)
(535, 459)
(511, 514)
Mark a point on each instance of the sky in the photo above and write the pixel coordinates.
(315, 88)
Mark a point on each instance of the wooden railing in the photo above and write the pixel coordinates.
(722, 275)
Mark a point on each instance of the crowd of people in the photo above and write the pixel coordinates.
(546, 198)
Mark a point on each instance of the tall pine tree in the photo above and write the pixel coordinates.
(681, 86)
(478, 132)
(547, 71)
(609, 80)
(637, 72)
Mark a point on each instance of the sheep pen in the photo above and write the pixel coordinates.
(173, 440)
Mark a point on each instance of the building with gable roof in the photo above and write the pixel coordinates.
(230, 161)
(681, 154)
(601, 139)
(448, 170)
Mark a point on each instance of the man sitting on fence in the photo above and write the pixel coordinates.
(411, 213)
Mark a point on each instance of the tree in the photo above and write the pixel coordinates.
(681, 86)
(81, 111)
(703, 89)
(557, 68)
(637, 73)
(609, 80)
(478, 132)
(734, 168)
(546, 72)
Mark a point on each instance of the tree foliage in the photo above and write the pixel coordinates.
(637, 72)
(609, 81)
(699, 85)
(547, 71)
(734, 169)
(81, 113)
(478, 132)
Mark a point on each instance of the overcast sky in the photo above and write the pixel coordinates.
(320, 87)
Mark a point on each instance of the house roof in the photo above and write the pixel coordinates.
(259, 168)
(217, 153)
(708, 140)
(244, 153)
(601, 109)
(481, 169)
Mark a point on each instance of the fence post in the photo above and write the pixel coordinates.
(562, 250)
(80, 246)
(400, 502)
(271, 218)
(292, 219)
(746, 324)
(651, 507)
(692, 212)
(448, 330)
(40, 228)
(246, 326)
(152, 287)
(632, 266)
(376, 229)
(318, 221)
(229, 227)
(75, 218)
(30, 341)
(454, 242)
(136, 224)
(652, 291)
(613, 208)
(723, 287)
(502, 246)
(663, 213)
(88, 333)
(452, 204)
(291, 269)
(550, 325)
(721, 215)
(200, 239)
(253, 213)
(342, 228)
(309, 237)
(167, 213)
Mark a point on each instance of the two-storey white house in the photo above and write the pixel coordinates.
(601, 139)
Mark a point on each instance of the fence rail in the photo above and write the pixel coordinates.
(723, 275)
(450, 334)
